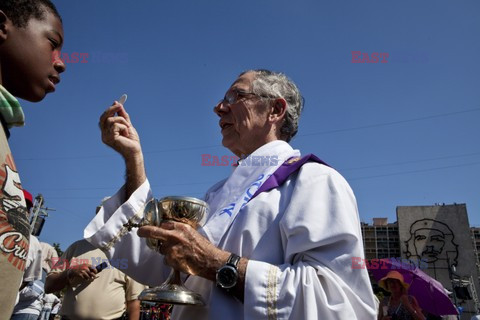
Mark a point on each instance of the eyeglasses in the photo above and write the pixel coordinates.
(234, 95)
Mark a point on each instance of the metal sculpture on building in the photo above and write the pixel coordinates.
(433, 242)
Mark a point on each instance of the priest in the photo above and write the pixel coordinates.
(284, 233)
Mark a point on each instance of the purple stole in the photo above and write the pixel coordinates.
(285, 170)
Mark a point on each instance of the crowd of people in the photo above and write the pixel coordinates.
(277, 243)
(155, 311)
(72, 283)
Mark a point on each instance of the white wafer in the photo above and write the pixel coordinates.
(123, 99)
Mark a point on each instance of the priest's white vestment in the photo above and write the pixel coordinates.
(301, 240)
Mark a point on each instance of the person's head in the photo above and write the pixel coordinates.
(31, 37)
(259, 107)
(394, 283)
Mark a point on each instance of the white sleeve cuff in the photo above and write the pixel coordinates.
(260, 275)
(114, 213)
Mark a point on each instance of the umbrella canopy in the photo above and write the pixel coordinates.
(430, 294)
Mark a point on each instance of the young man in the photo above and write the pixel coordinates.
(31, 33)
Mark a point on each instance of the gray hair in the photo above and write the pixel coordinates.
(277, 85)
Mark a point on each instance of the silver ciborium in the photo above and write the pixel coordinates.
(182, 209)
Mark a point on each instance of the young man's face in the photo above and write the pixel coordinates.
(28, 69)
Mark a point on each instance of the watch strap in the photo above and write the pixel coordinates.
(233, 260)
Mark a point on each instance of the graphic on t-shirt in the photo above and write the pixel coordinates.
(14, 226)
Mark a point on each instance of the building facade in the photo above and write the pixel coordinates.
(380, 240)
(475, 231)
(440, 235)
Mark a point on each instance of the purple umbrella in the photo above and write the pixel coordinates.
(430, 294)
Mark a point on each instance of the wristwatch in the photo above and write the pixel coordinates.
(227, 275)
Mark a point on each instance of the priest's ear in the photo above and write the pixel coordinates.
(277, 113)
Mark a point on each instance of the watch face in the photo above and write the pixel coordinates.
(227, 277)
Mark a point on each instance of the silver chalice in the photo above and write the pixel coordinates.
(182, 209)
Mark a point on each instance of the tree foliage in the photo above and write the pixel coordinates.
(58, 249)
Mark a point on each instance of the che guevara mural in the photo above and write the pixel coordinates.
(439, 236)
(433, 242)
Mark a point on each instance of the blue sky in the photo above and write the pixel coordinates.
(403, 132)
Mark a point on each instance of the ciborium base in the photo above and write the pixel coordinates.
(172, 294)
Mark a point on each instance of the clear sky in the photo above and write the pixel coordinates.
(404, 132)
